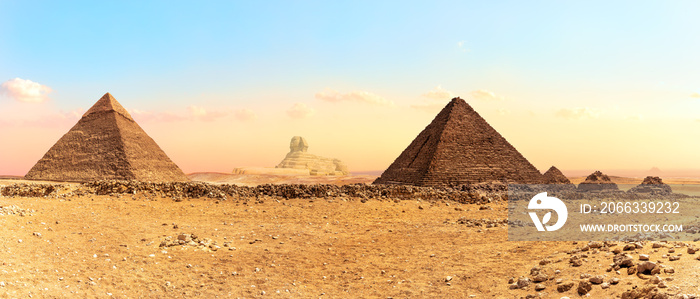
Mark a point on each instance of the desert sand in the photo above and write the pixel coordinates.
(334, 247)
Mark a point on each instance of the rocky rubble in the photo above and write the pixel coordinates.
(486, 223)
(191, 240)
(650, 279)
(15, 210)
(27, 190)
(477, 193)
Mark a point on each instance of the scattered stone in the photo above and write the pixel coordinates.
(598, 279)
(564, 287)
(649, 268)
(584, 287)
(540, 277)
(523, 282)
(539, 287)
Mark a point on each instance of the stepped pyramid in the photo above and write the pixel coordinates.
(459, 147)
(106, 144)
(554, 176)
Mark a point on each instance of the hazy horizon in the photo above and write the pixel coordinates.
(220, 85)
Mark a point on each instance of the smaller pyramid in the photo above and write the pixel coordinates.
(597, 181)
(653, 185)
(554, 176)
(106, 144)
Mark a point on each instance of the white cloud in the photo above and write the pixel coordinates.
(438, 94)
(201, 113)
(333, 96)
(483, 94)
(578, 113)
(502, 111)
(695, 95)
(197, 111)
(244, 114)
(300, 110)
(25, 90)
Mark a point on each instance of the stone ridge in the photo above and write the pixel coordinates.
(105, 144)
(108, 103)
(459, 147)
(554, 176)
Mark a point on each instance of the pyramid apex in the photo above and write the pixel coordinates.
(108, 103)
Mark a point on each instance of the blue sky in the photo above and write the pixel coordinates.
(599, 62)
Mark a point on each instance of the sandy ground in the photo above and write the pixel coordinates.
(100, 246)
(258, 179)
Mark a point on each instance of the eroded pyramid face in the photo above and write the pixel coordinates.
(106, 144)
(459, 147)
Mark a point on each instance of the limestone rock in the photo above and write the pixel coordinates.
(597, 181)
(299, 158)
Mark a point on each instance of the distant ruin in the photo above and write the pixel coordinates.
(652, 185)
(299, 158)
(597, 181)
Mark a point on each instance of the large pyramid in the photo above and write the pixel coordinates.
(106, 144)
(459, 147)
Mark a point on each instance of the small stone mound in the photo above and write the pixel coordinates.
(597, 181)
(653, 185)
(487, 223)
(204, 244)
(15, 210)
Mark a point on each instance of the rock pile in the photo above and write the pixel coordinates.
(299, 158)
(478, 193)
(652, 185)
(486, 223)
(597, 181)
(15, 210)
(204, 244)
(27, 190)
(560, 271)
